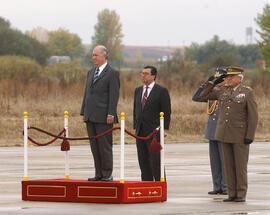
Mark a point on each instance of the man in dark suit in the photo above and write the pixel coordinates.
(149, 100)
(99, 111)
(236, 128)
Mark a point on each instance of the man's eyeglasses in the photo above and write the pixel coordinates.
(145, 73)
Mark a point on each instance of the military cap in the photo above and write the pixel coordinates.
(234, 70)
(220, 71)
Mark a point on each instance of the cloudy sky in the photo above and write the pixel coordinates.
(144, 22)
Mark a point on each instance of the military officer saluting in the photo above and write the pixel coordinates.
(236, 128)
(215, 147)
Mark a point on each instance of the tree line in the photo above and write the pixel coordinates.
(40, 43)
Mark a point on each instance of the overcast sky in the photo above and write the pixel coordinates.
(144, 22)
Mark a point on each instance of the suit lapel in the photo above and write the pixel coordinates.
(139, 99)
(103, 73)
(91, 76)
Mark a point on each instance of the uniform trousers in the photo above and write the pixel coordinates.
(217, 166)
(101, 148)
(235, 162)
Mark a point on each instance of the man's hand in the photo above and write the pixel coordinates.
(110, 119)
(219, 79)
(211, 78)
(165, 134)
(248, 141)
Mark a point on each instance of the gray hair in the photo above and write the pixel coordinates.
(104, 50)
(241, 76)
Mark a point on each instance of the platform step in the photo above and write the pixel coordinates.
(72, 190)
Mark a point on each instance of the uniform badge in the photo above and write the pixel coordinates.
(240, 96)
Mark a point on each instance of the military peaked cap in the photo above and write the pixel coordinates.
(234, 70)
(220, 71)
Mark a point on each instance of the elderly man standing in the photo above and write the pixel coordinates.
(99, 111)
(236, 128)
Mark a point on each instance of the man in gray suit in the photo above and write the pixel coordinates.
(215, 147)
(99, 111)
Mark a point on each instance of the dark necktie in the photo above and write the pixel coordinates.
(96, 75)
(144, 97)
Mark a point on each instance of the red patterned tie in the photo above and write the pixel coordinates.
(144, 97)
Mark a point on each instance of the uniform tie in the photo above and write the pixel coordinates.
(144, 97)
(96, 75)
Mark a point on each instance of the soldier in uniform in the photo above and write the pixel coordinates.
(236, 128)
(215, 147)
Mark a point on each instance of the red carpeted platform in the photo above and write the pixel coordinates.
(71, 190)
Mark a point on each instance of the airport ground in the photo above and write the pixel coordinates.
(188, 181)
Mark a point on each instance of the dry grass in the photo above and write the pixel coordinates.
(46, 103)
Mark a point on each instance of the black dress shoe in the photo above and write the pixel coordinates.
(94, 179)
(107, 178)
(230, 199)
(223, 193)
(239, 199)
(214, 192)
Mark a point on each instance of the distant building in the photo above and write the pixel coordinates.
(56, 59)
(249, 36)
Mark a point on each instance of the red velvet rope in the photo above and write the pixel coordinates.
(50, 142)
(83, 138)
(65, 146)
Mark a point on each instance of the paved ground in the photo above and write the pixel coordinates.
(188, 177)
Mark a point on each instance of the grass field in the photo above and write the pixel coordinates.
(46, 103)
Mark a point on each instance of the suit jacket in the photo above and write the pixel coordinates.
(100, 98)
(149, 118)
(212, 119)
(238, 112)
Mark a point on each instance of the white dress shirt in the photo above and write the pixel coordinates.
(101, 68)
(150, 87)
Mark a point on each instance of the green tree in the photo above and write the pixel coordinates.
(39, 33)
(64, 43)
(4, 23)
(263, 20)
(19, 68)
(214, 53)
(249, 55)
(14, 42)
(108, 32)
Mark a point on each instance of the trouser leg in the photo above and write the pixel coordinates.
(144, 162)
(101, 148)
(241, 154)
(215, 165)
(223, 179)
(229, 166)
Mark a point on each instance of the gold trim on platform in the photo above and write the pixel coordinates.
(100, 197)
(48, 186)
(142, 197)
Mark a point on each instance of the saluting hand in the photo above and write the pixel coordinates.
(219, 79)
(211, 78)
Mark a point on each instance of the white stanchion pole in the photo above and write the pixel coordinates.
(66, 152)
(122, 148)
(25, 177)
(162, 159)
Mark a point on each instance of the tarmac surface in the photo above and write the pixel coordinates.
(187, 171)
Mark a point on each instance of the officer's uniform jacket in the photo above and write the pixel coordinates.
(238, 116)
(213, 118)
